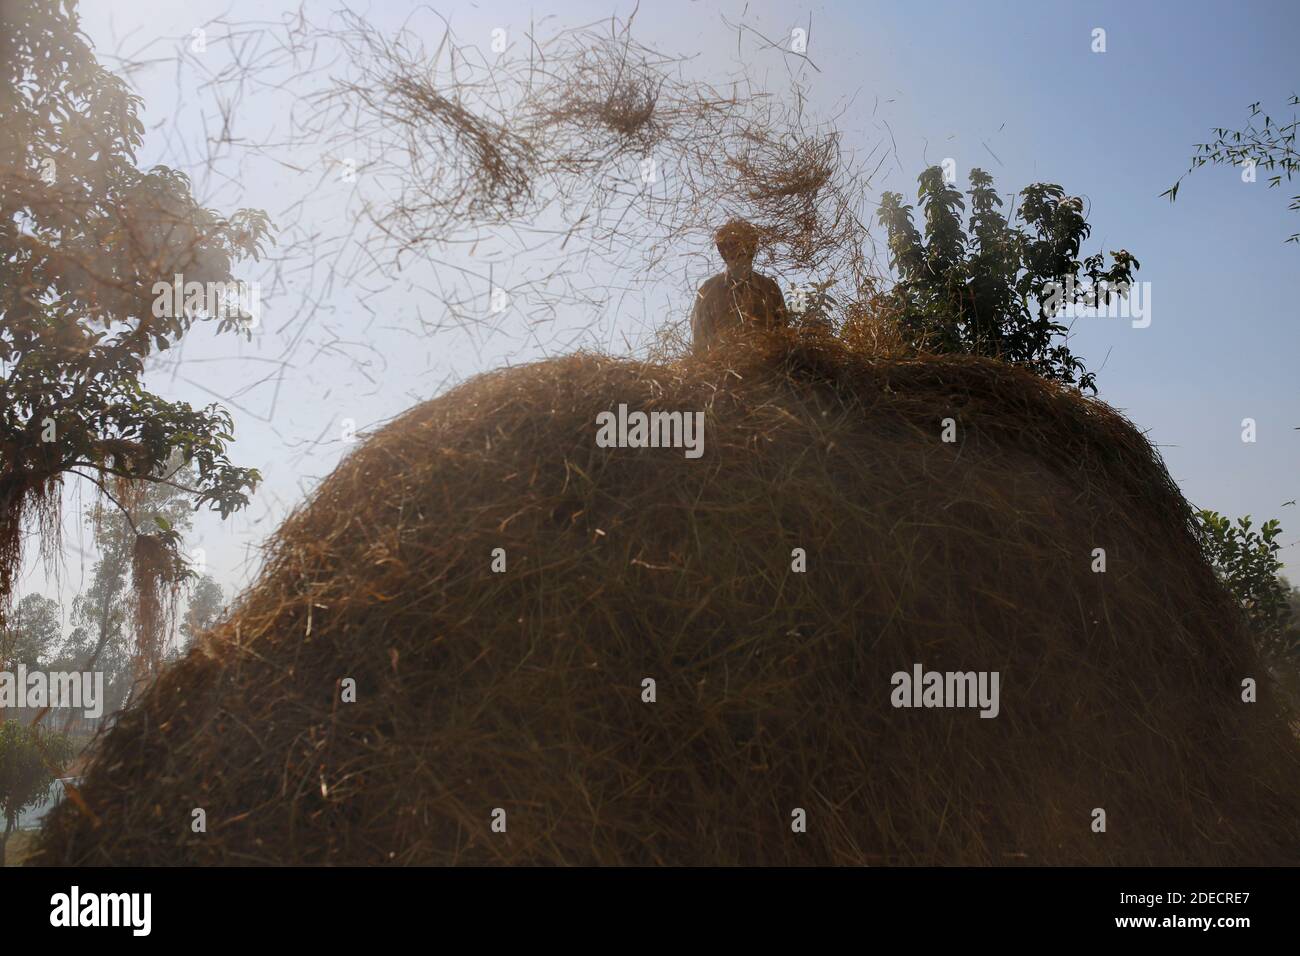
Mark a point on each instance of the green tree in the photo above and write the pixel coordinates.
(205, 606)
(30, 760)
(108, 633)
(86, 241)
(33, 634)
(1288, 670)
(996, 286)
(1246, 560)
(1268, 145)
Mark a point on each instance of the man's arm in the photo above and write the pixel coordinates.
(701, 321)
(776, 308)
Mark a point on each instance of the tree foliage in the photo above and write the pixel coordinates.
(994, 286)
(204, 608)
(32, 634)
(85, 238)
(109, 631)
(1270, 146)
(30, 759)
(1246, 560)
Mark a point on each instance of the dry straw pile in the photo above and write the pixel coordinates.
(523, 690)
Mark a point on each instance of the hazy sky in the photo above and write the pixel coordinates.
(1014, 88)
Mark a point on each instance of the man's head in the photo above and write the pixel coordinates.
(738, 244)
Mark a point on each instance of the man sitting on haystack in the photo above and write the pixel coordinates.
(738, 297)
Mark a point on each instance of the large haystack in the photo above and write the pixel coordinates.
(523, 690)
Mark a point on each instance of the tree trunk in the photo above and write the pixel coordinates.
(11, 824)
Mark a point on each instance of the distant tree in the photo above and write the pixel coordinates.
(87, 240)
(33, 633)
(109, 634)
(996, 287)
(204, 608)
(1293, 609)
(1289, 645)
(30, 760)
(100, 618)
(85, 651)
(1269, 146)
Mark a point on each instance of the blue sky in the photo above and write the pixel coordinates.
(1014, 88)
(1118, 128)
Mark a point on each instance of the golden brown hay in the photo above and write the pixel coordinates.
(868, 327)
(595, 90)
(522, 689)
